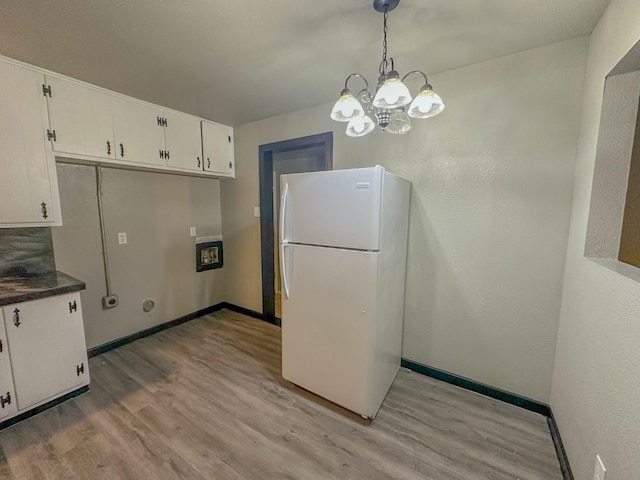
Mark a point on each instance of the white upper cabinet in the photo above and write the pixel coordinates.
(81, 118)
(183, 142)
(217, 149)
(138, 135)
(28, 185)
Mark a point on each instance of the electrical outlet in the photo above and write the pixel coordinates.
(192, 231)
(600, 471)
(256, 212)
(122, 238)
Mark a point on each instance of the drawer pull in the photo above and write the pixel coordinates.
(5, 400)
(73, 307)
(79, 369)
(122, 150)
(43, 210)
(108, 147)
(16, 317)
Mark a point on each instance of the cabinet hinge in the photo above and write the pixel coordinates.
(51, 135)
(5, 400)
(79, 369)
(46, 90)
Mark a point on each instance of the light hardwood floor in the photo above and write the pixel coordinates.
(205, 400)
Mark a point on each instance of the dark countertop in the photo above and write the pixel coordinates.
(22, 289)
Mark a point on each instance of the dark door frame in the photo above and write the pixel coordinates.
(267, 247)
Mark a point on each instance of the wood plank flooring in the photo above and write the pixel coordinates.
(205, 400)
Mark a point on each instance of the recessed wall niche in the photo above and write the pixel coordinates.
(613, 231)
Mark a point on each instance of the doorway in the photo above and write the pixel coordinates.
(305, 154)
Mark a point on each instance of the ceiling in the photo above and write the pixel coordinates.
(244, 60)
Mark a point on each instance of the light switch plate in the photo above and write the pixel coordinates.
(122, 238)
(192, 231)
(600, 471)
(256, 212)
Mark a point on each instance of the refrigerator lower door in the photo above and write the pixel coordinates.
(328, 324)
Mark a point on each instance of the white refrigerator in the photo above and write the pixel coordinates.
(343, 249)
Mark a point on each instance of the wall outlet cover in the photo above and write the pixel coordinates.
(256, 212)
(122, 238)
(600, 471)
(192, 231)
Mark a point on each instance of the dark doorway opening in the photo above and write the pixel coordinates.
(304, 154)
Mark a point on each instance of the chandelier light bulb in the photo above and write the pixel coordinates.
(346, 108)
(426, 104)
(393, 93)
(360, 126)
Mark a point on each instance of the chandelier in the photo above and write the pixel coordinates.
(389, 102)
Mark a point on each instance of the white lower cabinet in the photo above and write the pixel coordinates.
(7, 392)
(47, 349)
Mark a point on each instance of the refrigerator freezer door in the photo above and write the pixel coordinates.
(335, 208)
(328, 324)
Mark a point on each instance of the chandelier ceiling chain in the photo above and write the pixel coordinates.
(390, 98)
(383, 64)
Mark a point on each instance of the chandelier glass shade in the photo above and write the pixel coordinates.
(391, 104)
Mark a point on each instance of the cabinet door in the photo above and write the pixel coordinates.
(7, 393)
(217, 145)
(25, 186)
(138, 136)
(183, 142)
(46, 351)
(81, 118)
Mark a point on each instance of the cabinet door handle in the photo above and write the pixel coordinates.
(16, 317)
(208, 163)
(108, 147)
(230, 165)
(1, 346)
(73, 307)
(43, 209)
(121, 150)
(5, 400)
(198, 161)
(79, 369)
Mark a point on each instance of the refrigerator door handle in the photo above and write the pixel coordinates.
(283, 269)
(283, 209)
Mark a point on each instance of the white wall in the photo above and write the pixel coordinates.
(492, 187)
(596, 392)
(158, 262)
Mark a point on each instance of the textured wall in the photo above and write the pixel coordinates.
(595, 388)
(158, 262)
(492, 187)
